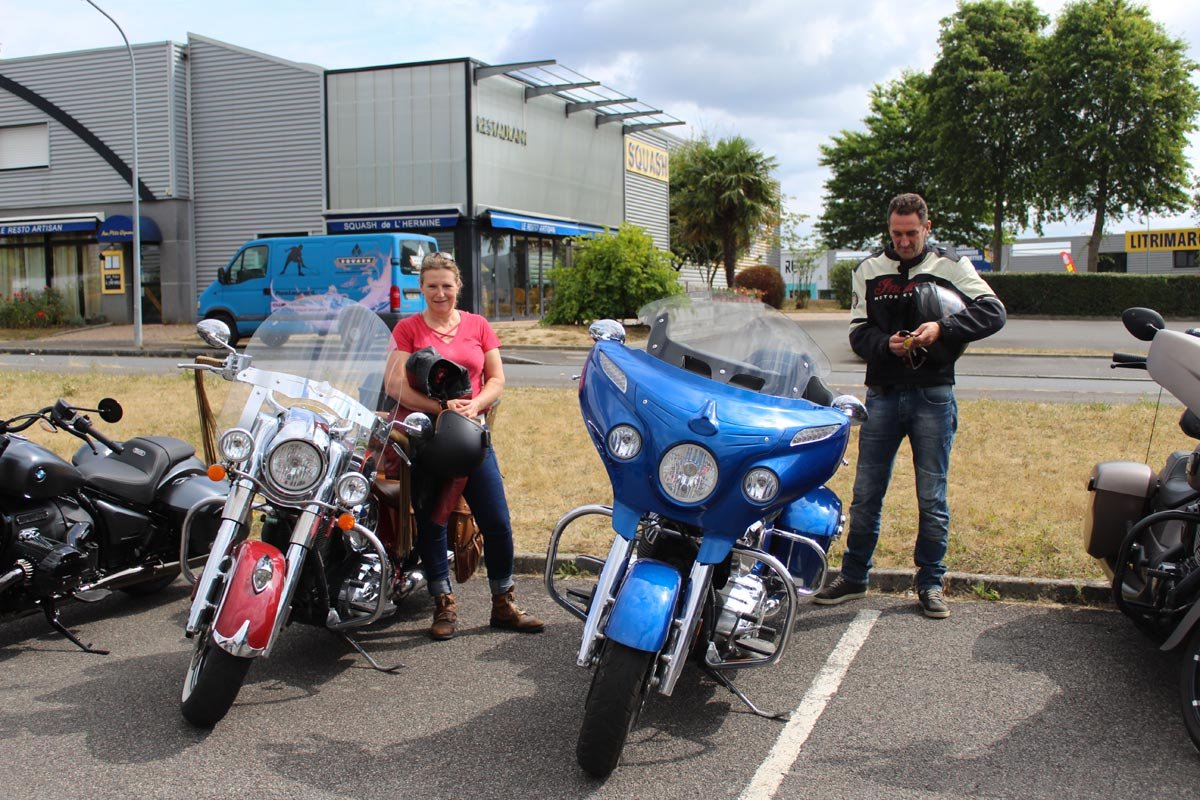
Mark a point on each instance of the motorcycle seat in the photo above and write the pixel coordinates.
(135, 473)
(1173, 487)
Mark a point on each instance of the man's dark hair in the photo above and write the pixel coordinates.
(909, 203)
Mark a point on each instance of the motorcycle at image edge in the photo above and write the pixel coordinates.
(1142, 526)
(718, 440)
(110, 519)
(302, 445)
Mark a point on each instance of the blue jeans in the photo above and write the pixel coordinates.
(928, 416)
(484, 493)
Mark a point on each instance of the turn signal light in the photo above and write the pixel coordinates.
(216, 473)
(345, 521)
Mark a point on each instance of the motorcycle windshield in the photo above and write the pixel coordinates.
(338, 374)
(734, 337)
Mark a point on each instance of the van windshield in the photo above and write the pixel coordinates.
(412, 252)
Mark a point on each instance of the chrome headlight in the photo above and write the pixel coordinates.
(688, 473)
(295, 466)
(352, 489)
(236, 445)
(760, 485)
(816, 434)
(624, 442)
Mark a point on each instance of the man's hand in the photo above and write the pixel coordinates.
(902, 343)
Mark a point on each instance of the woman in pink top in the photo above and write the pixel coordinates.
(469, 340)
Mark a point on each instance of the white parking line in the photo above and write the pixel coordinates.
(787, 747)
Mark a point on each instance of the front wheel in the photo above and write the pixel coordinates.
(212, 683)
(617, 693)
(1189, 688)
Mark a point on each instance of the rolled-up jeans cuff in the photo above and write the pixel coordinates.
(439, 587)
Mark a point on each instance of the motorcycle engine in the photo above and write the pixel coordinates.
(360, 587)
(54, 555)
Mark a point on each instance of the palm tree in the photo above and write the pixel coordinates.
(721, 197)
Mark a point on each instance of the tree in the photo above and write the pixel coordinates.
(791, 236)
(893, 155)
(613, 276)
(984, 123)
(1119, 103)
(721, 196)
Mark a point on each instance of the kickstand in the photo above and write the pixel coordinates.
(728, 684)
(51, 612)
(367, 655)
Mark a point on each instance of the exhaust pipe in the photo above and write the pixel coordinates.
(136, 575)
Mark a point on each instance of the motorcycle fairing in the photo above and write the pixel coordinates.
(245, 621)
(1174, 363)
(644, 607)
(746, 429)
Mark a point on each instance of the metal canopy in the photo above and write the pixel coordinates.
(488, 71)
(603, 118)
(592, 104)
(547, 78)
(554, 88)
(646, 126)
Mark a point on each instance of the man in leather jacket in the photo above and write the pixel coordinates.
(910, 391)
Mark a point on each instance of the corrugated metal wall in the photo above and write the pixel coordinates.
(647, 200)
(257, 150)
(92, 86)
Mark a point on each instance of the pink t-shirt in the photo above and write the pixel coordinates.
(471, 341)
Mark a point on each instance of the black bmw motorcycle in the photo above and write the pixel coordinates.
(110, 519)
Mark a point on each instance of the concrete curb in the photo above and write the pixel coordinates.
(961, 584)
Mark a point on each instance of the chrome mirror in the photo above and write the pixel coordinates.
(607, 330)
(214, 332)
(418, 425)
(851, 406)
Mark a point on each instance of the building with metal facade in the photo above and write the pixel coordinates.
(504, 164)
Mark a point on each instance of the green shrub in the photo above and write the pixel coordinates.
(1095, 294)
(613, 276)
(841, 281)
(24, 309)
(765, 281)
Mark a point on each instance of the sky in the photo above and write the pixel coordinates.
(786, 75)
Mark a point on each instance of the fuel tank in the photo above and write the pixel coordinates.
(31, 471)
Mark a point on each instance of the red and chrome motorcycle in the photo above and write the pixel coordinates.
(301, 443)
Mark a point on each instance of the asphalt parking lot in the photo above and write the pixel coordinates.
(1000, 700)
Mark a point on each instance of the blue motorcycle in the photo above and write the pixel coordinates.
(718, 439)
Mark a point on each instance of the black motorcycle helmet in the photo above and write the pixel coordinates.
(437, 377)
(457, 446)
(932, 302)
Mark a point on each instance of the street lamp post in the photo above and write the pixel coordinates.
(137, 219)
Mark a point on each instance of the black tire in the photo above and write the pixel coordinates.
(617, 693)
(211, 684)
(230, 323)
(1189, 688)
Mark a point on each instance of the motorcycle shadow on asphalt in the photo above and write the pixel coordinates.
(29, 632)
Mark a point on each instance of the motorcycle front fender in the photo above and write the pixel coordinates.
(644, 606)
(1185, 626)
(245, 619)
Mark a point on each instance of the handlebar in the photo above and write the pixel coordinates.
(81, 426)
(62, 415)
(1128, 361)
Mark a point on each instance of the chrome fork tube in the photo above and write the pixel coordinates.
(233, 525)
(683, 628)
(308, 527)
(602, 597)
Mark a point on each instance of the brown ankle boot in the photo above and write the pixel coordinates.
(505, 614)
(445, 617)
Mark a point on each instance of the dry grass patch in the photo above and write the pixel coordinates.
(1017, 478)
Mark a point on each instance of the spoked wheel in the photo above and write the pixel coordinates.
(212, 683)
(617, 693)
(1189, 688)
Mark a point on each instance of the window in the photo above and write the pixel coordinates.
(251, 263)
(24, 146)
(1187, 259)
(1112, 262)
